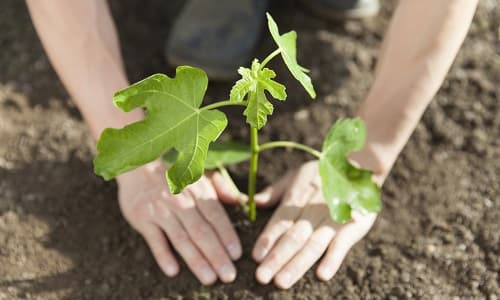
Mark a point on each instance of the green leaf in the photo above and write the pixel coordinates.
(226, 153)
(173, 119)
(170, 157)
(287, 44)
(219, 154)
(252, 85)
(344, 186)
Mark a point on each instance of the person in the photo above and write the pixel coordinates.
(419, 47)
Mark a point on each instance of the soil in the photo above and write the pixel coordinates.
(438, 236)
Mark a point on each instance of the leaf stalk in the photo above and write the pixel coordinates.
(224, 103)
(269, 57)
(290, 144)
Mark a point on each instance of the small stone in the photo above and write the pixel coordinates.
(364, 58)
(30, 197)
(405, 277)
(301, 115)
(104, 289)
(354, 27)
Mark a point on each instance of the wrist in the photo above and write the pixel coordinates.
(150, 170)
(386, 134)
(110, 117)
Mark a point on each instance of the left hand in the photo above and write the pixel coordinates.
(301, 231)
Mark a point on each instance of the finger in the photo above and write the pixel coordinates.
(225, 190)
(284, 250)
(307, 256)
(203, 235)
(282, 220)
(273, 193)
(161, 251)
(182, 243)
(348, 235)
(212, 210)
(293, 240)
(333, 259)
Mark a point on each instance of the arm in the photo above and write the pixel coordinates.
(419, 47)
(81, 41)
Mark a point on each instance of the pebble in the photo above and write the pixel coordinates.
(301, 115)
(405, 277)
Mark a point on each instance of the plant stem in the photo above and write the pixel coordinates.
(252, 173)
(224, 103)
(269, 57)
(290, 144)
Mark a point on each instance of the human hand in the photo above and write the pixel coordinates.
(194, 222)
(301, 231)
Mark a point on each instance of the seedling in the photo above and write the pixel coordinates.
(176, 120)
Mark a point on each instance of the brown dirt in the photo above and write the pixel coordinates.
(438, 236)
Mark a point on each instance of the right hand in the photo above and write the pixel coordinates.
(194, 222)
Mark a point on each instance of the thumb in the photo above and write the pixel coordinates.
(226, 191)
(274, 192)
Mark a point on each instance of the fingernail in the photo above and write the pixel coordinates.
(207, 276)
(234, 250)
(259, 254)
(284, 280)
(170, 270)
(325, 272)
(264, 275)
(228, 273)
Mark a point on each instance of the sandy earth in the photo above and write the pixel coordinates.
(438, 236)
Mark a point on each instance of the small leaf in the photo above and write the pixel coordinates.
(287, 43)
(173, 119)
(344, 186)
(252, 85)
(226, 153)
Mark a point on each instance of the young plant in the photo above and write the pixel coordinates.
(176, 120)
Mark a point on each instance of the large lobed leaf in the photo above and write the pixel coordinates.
(287, 43)
(173, 119)
(345, 187)
(220, 154)
(252, 87)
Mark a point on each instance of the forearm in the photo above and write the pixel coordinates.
(419, 47)
(81, 42)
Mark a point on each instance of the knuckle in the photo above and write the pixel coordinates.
(201, 230)
(218, 261)
(283, 225)
(159, 209)
(272, 258)
(296, 236)
(179, 237)
(214, 214)
(198, 263)
(317, 245)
